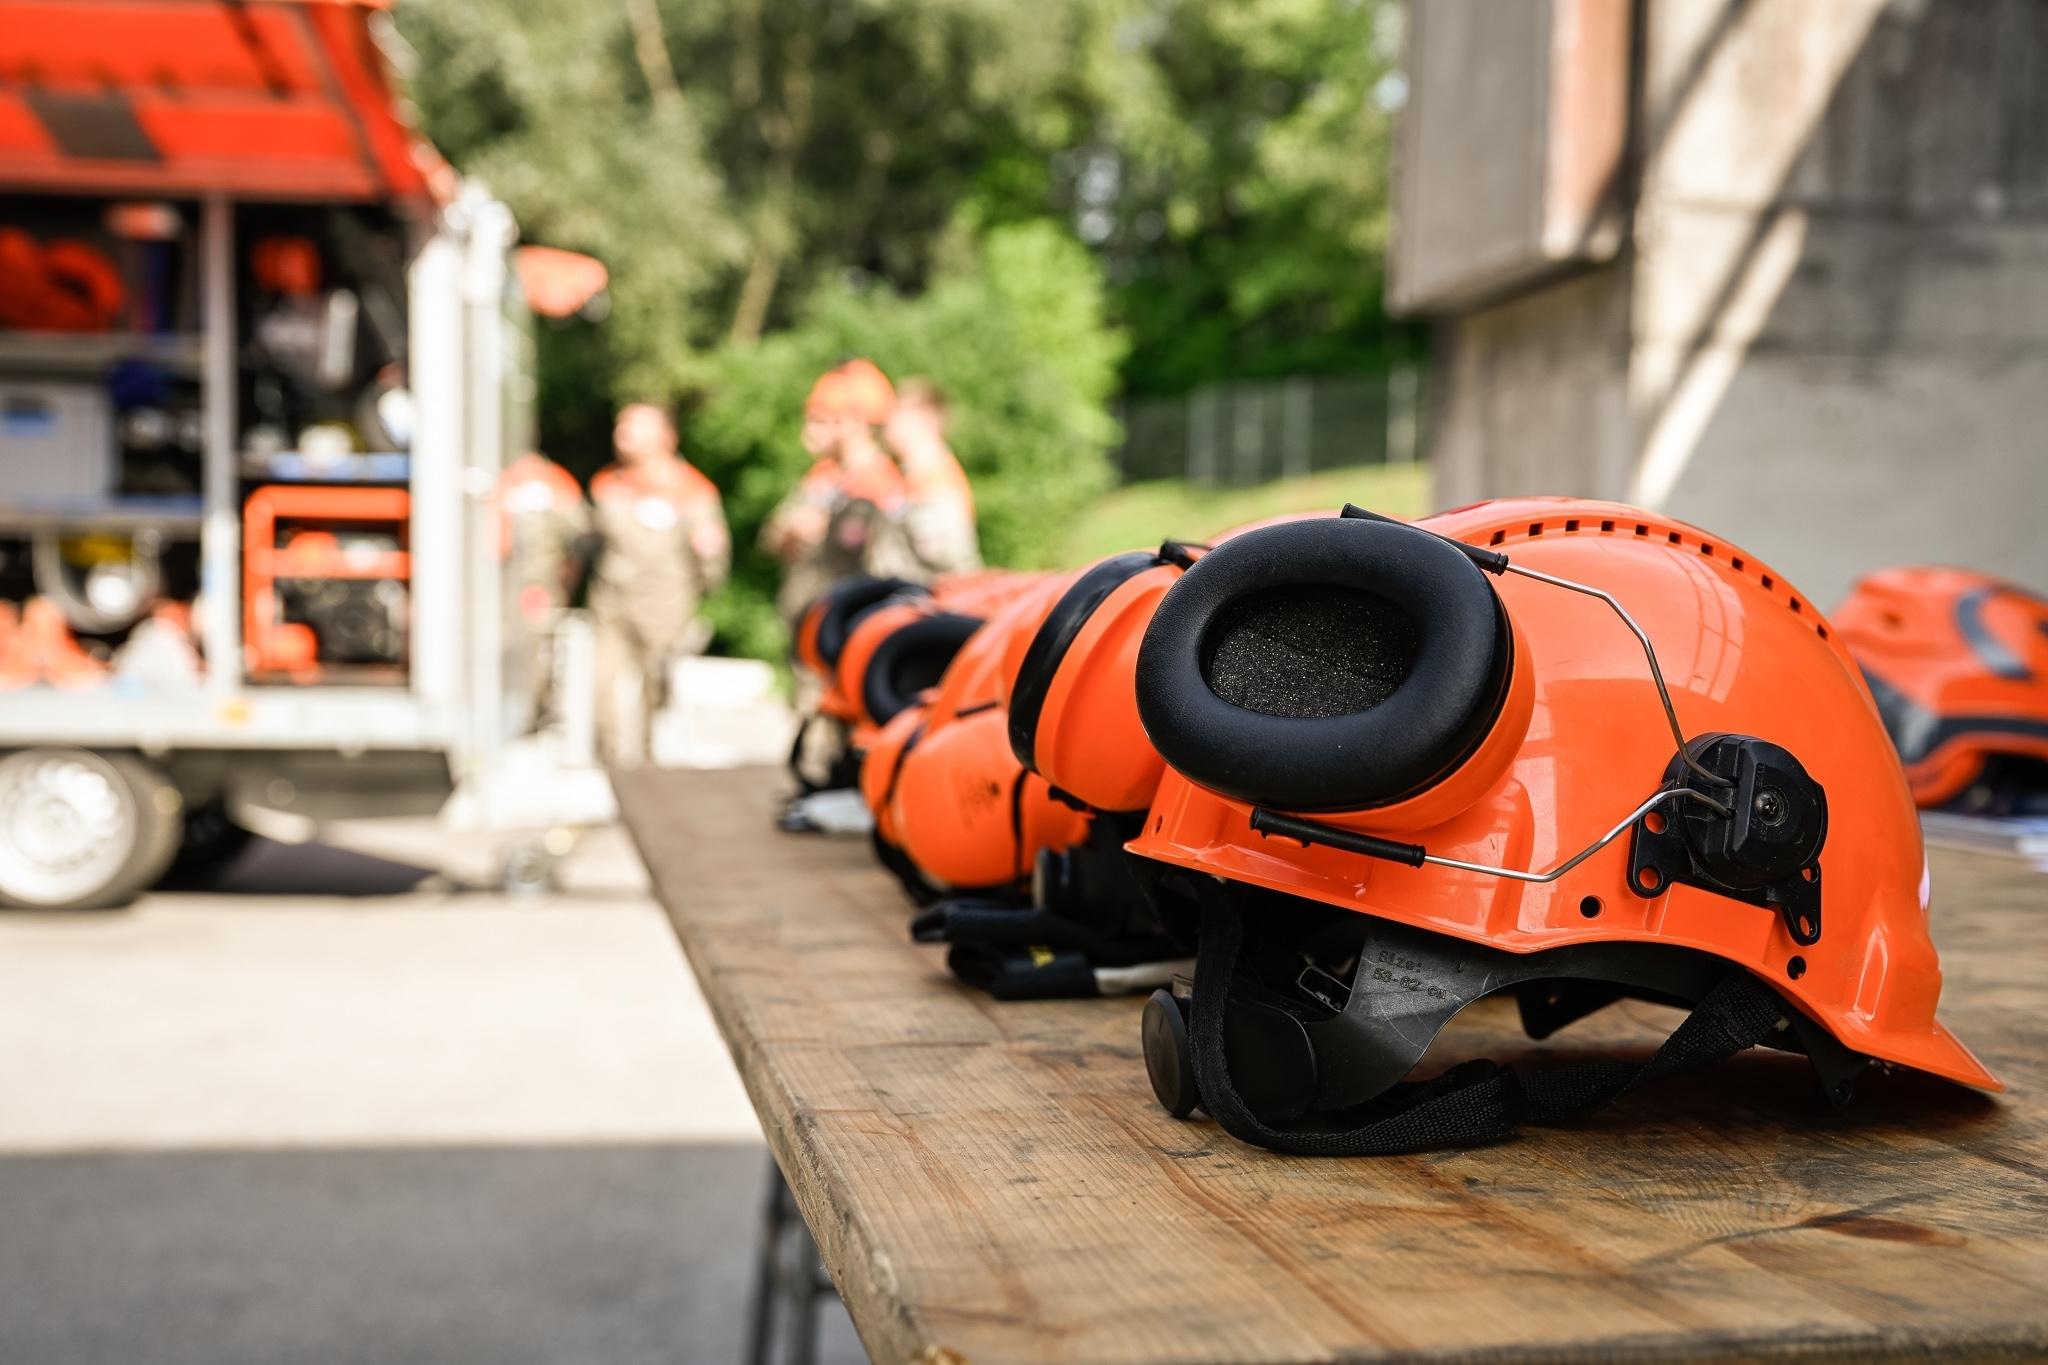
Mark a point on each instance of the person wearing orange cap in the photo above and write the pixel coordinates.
(541, 518)
(844, 516)
(938, 512)
(665, 547)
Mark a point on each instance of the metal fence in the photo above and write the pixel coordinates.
(1250, 431)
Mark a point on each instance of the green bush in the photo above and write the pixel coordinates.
(1014, 333)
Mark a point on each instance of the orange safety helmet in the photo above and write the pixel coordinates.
(822, 630)
(966, 813)
(972, 682)
(929, 789)
(827, 627)
(902, 647)
(893, 654)
(830, 763)
(1401, 762)
(1073, 709)
(1958, 663)
(879, 642)
(1086, 927)
(969, 680)
(856, 389)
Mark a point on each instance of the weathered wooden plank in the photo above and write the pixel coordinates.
(993, 1183)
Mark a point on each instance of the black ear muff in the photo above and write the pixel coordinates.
(848, 602)
(1056, 635)
(1324, 665)
(910, 660)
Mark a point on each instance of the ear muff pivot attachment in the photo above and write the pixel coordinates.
(1766, 852)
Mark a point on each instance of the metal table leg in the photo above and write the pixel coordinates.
(787, 1274)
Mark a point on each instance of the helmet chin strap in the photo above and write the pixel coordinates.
(1086, 927)
(1475, 1102)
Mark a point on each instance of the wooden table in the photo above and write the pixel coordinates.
(993, 1182)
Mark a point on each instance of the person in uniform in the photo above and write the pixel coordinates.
(844, 517)
(665, 548)
(938, 509)
(542, 523)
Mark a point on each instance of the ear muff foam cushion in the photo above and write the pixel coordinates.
(851, 600)
(911, 660)
(1324, 665)
(1055, 637)
(1310, 653)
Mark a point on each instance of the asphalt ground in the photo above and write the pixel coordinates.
(340, 1107)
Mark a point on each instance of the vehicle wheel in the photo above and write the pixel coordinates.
(211, 841)
(81, 830)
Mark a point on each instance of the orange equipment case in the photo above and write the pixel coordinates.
(275, 646)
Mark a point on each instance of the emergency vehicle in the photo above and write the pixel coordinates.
(262, 359)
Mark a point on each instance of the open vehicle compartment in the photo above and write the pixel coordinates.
(461, 312)
(393, 731)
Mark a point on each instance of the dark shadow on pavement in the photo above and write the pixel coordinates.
(268, 868)
(601, 1254)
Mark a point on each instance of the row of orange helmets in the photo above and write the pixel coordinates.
(1325, 783)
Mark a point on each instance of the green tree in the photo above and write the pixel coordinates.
(544, 101)
(777, 183)
(1226, 159)
(1236, 185)
(848, 133)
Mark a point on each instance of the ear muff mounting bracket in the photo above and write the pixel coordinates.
(1766, 852)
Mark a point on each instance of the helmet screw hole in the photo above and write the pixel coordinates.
(1796, 968)
(1649, 879)
(1809, 873)
(1590, 907)
(1654, 822)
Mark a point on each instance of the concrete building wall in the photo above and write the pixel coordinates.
(1532, 395)
(1829, 330)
